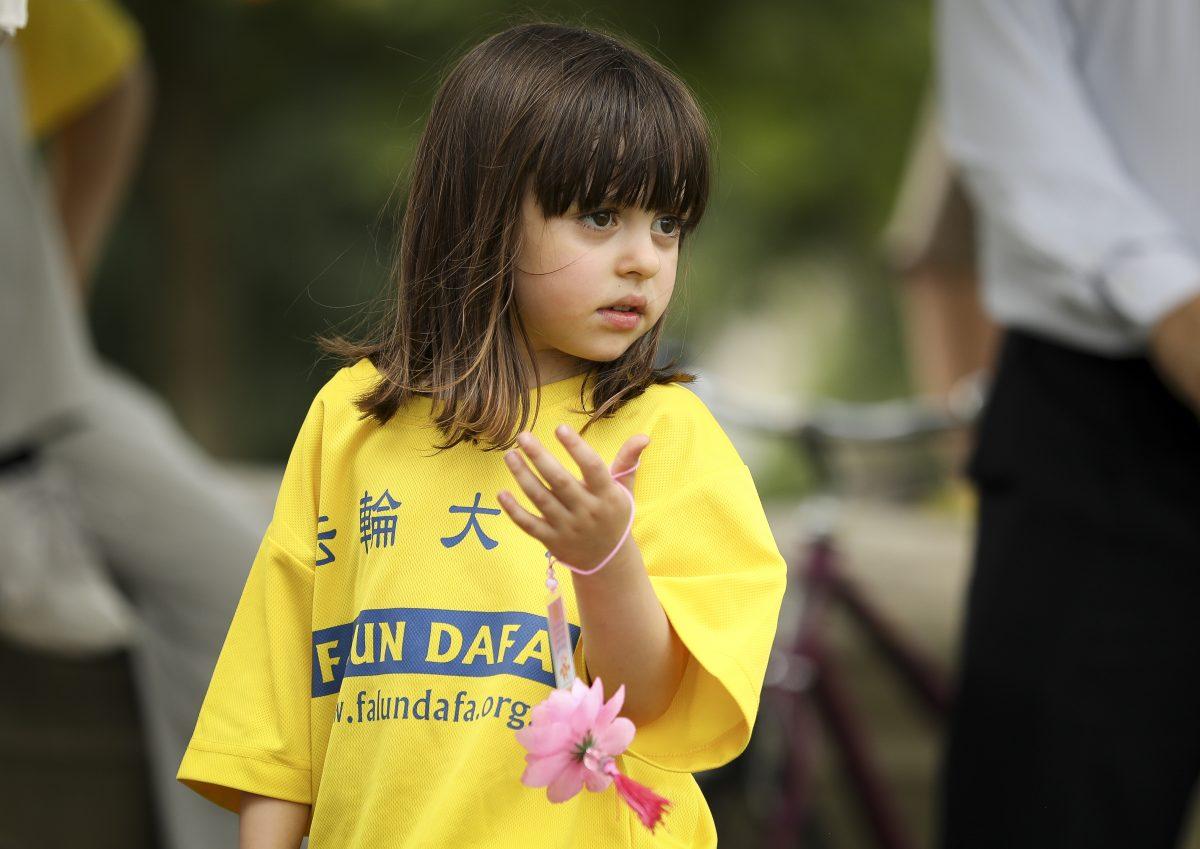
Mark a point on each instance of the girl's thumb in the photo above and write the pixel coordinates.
(628, 456)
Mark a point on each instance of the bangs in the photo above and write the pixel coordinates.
(622, 132)
(574, 118)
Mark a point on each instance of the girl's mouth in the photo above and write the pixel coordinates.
(622, 320)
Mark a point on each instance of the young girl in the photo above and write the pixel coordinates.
(391, 638)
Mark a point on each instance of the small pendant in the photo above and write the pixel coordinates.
(561, 651)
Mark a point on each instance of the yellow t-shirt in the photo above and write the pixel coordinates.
(391, 637)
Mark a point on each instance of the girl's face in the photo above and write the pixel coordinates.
(571, 267)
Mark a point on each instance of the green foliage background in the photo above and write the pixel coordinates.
(262, 217)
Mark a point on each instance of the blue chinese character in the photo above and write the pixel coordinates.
(473, 522)
(374, 526)
(323, 535)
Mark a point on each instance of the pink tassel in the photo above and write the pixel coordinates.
(647, 804)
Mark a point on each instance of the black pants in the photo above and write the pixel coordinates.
(1078, 719)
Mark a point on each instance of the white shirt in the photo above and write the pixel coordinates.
(45, 353)
(13, 16)
(1077, 126)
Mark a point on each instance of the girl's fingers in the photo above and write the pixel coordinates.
(533, 525)
(627, 458)
(543, 499)
(628, 454)
(564, 485)
(591, 464)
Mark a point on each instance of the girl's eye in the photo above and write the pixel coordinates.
(668, 225)
(599, 220)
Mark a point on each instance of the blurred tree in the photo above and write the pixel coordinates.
(262, 216)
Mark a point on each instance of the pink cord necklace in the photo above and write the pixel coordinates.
(574, 736)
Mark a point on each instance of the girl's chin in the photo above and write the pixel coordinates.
(598, 344)
(599, 354)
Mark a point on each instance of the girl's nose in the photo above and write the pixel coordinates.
(639, 256)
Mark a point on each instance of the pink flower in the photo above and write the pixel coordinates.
(573, 739)
(570, 738)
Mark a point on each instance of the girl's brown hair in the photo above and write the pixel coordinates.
(576, 118)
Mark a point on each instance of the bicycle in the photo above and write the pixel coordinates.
(804, 680)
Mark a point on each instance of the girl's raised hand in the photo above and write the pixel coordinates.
(581, 520)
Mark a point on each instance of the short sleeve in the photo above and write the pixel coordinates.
(719, 576)
(253, 730)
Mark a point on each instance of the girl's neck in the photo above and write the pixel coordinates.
(559, 370)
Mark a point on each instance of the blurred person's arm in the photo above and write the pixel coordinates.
(92, 160)
(268, 823)
(1040, 165)
(1175, 346)
(88, 95)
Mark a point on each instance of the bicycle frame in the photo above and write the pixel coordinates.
(812, 685)
(819, 690)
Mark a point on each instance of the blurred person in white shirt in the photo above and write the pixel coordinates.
(1076, 125)
(118, 533)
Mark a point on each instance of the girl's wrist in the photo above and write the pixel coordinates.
(626, 564)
